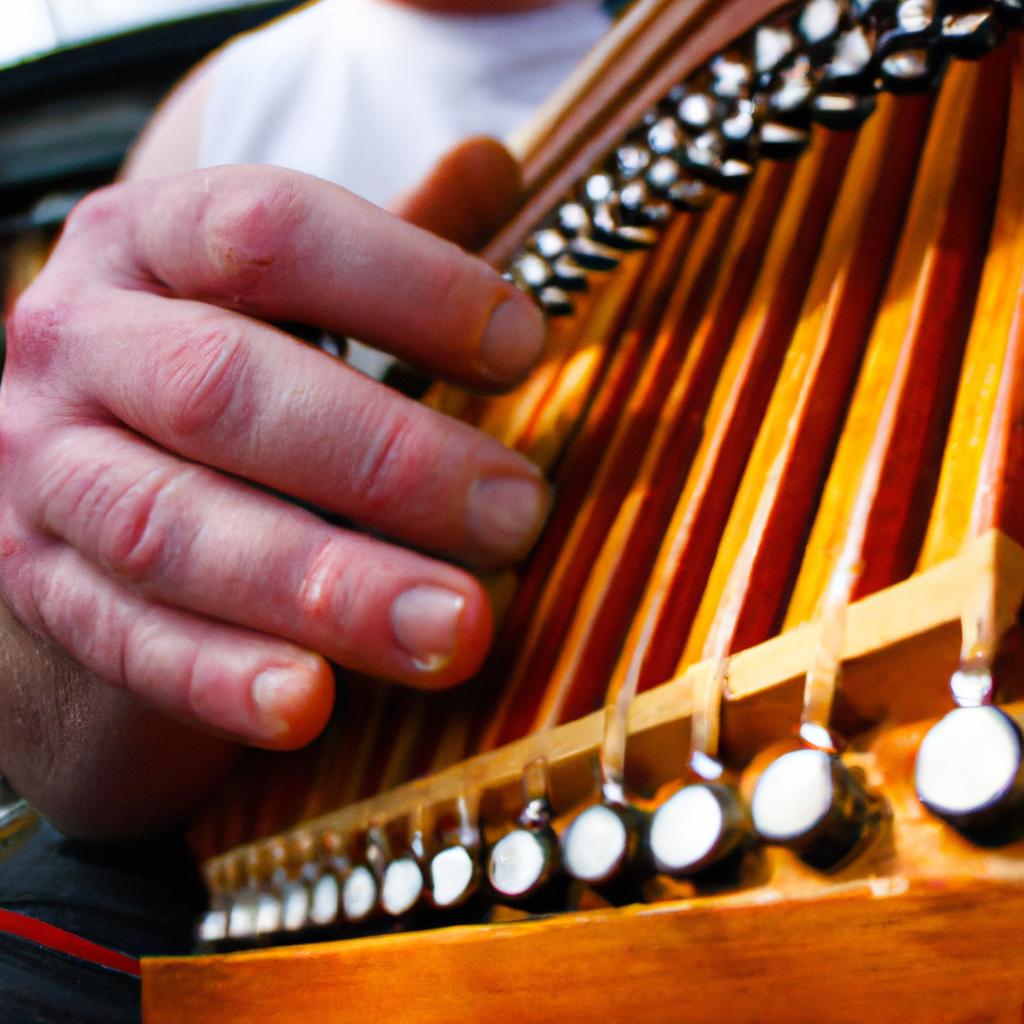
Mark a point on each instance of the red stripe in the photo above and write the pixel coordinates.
(65, 942)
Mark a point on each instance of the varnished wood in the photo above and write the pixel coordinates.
(914, 348)
(982, 462)
(797, 436)
(919, 925)
(674, 42)
(911, 630)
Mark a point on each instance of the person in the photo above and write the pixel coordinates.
(168, 594)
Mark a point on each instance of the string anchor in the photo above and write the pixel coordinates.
(522, 862)
(454, 871)
(706, 821)
(809, 800)
(970, 765)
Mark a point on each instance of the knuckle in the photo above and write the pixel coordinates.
(97, 209)
(201, 381)
(392, 460)
(328, 594)
(134, 527)
(244, 228)
(139, 530)
(34, 330)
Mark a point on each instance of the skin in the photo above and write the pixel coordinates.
(163, 604)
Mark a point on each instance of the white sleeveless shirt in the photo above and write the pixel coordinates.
(370, 93)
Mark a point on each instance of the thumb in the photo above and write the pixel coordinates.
(467, 195)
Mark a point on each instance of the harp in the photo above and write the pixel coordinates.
(749, 743)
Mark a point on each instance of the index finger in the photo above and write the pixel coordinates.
(285, 246)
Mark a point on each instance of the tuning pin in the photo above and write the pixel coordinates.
(598, 188)
(842, 111)
(601, 844)
(266, 866)
(665, 137)
(632, 161)
(593, 255)
(569, 275)
(697, 111)
(325, 890)
(739, 129)
(454, 876)
(772, 45)
(820, 21)
(791, 94)
(454, 871)
(696, 828)
(573, 219)
(530, 271)
(851, 65)
(524, 861)
(731, 77)
(909, 57)
(244, 915)
(692, 194)
(360, 887)
(295, 885)
(810, 802)
(704, 153)
(973, 33)
(783, 141)
(555, 301)
(970, 767)
(402, 886)
(609, 228)
(213, 925)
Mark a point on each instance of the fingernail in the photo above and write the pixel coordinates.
(506, 514)
(277, 692)
(425, 622)
(513, 340)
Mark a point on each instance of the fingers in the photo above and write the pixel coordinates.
(184, 536)
(243, 685)
(219, 388)
(468, 194)
(284, 246)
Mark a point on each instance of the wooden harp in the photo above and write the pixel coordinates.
(748, 746)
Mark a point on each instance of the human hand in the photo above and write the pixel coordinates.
(147, 406)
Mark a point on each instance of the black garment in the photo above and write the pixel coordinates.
(141, 899)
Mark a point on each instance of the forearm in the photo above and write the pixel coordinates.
(90, 757)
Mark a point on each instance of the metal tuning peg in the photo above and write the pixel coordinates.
(910, 57)
(703, 824)
(268, 861)
(360, 888)
(972, 32)
(706, 822)
(403, 887)
(243, 916)
(331, 865)
(820, 21)
(524, 861)
(601, 845)
(809, 801)
(454, 871)
(298, 875)
(212, 929)
(970, 765)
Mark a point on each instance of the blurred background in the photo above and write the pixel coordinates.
(78, 80)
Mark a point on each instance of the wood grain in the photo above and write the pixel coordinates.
(919, 925)
(915, 346)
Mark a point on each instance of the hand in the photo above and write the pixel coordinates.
(148, 408)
